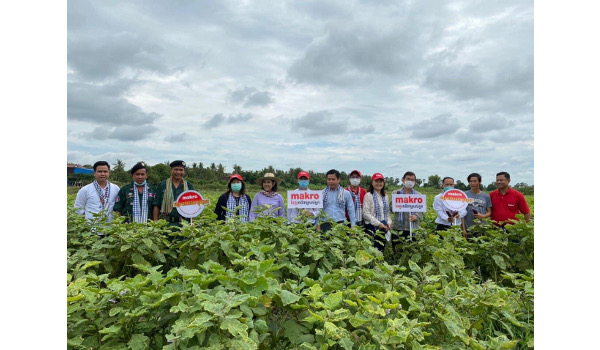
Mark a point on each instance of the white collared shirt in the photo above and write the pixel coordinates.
(87, 201)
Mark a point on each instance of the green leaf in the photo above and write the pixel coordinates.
(90, 264)
(114, 311)
(293, 330)
(288, 297)
(138, 259)
(261, 326)
(315, 292)
(414, 267)
(346, 343)
(332, 301)
(451, 289)
(235, 327)
(363, 257)
(138, 342)
(304, 271)
(499, 261)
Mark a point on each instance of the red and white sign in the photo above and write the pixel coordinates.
(305, 199)
(455, 200)
(416, 203)
(190, 204)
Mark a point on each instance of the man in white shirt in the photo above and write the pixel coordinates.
(445, 218)
(99, 196)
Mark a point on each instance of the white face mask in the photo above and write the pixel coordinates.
(355, 182)
(409, 184)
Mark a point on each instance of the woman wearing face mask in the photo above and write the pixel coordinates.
(268, 196)
(358, 196)
(294, 215)
(136, 199)
(234, 197)
(403, 221)
(376, 211)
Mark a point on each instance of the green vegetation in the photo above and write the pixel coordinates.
(267, 285)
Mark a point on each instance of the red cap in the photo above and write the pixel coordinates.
(304, 173)
(355, 171)
(377, 176)
(235, 176)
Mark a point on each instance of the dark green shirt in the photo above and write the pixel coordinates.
(176, 192)
(124, 200)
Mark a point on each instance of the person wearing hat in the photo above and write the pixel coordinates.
(235, 197)
(167, 193)
(377, 211)
(336, 202)
(268, 196)
(136, 199)
(99, 196)
(358, 196)
(293, 213)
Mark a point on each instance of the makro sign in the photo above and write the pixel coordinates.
(409, 203)
(455, 200)
(190, 204)
(305, 199)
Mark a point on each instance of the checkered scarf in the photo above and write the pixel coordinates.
(140, 212)
(104, 195)
(167, 203)
(244, 207)
(357, 204)
(377, 207)
(340, 196)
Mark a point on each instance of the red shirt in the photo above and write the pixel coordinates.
(361, 192)
(507, 206)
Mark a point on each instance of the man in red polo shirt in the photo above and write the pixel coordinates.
(506, 202)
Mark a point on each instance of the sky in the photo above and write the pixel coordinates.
(435, 87)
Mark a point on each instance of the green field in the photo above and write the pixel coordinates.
(268, 285)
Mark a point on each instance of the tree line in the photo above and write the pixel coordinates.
(214, 176)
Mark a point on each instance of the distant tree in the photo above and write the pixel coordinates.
(491, 187)
(434, 181)
(420, 182)
(461, 186)
(237, 169)
(158, 173)
(118, 172)
(88, 166)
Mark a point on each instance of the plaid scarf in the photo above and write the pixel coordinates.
(340, 196)
(357, 204)
(103, 196)
(269, 194)
(244, 209)
(376, 203)
(167, 203)
(140, 212)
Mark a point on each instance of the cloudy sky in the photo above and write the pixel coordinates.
(436, 87)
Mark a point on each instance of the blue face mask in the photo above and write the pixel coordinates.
(303, 183)
(448, 188)
(236, 187)
(142, 184)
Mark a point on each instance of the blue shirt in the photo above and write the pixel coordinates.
(337, 212)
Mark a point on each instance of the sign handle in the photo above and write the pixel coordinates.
(410, 226)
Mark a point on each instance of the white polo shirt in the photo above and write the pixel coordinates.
(87, 201)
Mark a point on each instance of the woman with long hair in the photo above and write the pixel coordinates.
(376, 211)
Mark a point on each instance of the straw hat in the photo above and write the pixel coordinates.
(268, 176)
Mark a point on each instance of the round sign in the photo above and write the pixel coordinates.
(455, 200)
(190, 204)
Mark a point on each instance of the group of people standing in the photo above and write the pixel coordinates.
(370, 208)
